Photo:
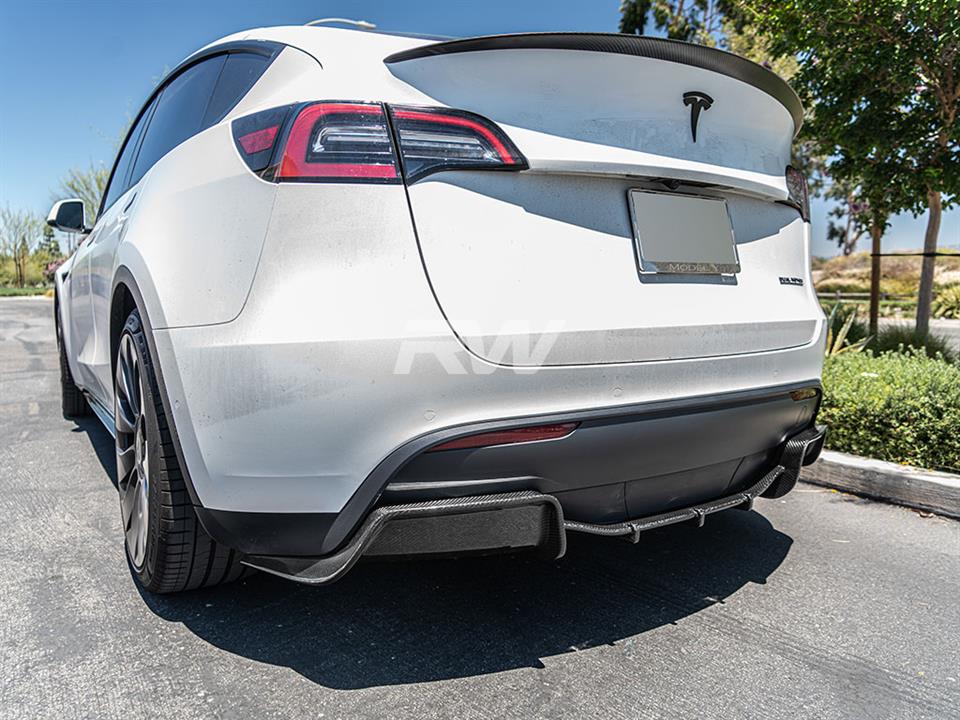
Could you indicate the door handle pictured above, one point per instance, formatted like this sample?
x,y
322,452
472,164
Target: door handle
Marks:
x,y
125,215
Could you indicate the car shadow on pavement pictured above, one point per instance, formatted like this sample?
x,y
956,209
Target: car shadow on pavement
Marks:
x,y
417,621
101,442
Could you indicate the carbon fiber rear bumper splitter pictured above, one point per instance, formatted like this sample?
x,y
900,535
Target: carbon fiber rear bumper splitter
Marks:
x,y
525,520
800,450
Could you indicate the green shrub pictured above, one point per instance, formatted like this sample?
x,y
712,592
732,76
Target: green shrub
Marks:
x,y
903,407
895,338
890,338
947,304
839,314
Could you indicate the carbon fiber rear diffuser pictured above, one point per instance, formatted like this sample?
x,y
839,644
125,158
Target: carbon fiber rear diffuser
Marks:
x,y
802,449
525,520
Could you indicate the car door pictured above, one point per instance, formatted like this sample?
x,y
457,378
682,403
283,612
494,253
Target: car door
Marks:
x,y
87,273
81,282
80,326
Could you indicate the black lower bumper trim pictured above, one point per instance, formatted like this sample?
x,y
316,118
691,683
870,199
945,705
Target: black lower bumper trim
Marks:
x,y
525,520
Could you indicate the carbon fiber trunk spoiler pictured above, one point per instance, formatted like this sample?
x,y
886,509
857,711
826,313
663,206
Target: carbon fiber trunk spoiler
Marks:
x,y
701,56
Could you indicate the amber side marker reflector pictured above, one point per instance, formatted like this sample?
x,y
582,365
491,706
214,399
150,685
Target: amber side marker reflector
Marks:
x,y
509,437
805,394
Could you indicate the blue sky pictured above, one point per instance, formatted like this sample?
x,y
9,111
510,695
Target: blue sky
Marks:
x,y
76,70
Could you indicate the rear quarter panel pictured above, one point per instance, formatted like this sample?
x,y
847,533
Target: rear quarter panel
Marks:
x,y
199,224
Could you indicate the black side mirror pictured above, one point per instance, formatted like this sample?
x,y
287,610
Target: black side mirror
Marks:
x,y
68,216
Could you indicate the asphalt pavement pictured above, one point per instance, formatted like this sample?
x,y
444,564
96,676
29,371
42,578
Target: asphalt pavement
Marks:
x,y
820,605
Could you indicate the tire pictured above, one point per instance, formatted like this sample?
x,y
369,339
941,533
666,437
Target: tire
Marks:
x,y
72,402
167,549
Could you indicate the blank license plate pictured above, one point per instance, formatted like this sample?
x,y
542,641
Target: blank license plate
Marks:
x,y
683,234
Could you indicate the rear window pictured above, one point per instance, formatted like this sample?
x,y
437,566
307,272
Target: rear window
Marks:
x,y
180,111
239,74
118,182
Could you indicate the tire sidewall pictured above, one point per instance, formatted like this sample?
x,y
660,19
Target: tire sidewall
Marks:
x,y
134,328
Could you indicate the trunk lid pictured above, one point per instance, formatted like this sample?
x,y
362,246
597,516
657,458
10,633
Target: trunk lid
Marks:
x,y
542,267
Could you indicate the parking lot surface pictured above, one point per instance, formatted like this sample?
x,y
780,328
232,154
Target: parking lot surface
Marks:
x,y
819,605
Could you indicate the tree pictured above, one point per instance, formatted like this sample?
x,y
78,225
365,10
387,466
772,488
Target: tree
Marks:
x,y
19,232
746,40
847,220
48,247
87,185
697,21
883,82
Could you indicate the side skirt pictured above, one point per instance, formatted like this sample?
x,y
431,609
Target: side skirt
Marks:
x,y
103,415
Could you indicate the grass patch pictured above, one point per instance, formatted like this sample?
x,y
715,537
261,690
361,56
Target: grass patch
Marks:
x,y
22,292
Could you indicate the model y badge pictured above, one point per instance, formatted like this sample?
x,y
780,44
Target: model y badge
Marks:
x,y
697,101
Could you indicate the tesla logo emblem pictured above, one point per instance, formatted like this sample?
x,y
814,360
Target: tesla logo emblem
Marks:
x,y
697,101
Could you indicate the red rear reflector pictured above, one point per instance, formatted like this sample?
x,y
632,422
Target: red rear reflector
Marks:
x,y
258,140
509,437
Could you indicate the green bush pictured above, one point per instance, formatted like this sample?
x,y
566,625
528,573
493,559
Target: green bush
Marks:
x,y
894,338
838,314
947,304
891,338
903,407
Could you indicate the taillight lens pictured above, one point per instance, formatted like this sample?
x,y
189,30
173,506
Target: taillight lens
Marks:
x,y
434,139
354,142
509,437
333,141
797,192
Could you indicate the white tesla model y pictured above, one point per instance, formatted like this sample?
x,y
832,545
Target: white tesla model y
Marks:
x,y
354,294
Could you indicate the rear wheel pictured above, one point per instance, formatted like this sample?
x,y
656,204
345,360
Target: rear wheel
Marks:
x,y
166,546
72,402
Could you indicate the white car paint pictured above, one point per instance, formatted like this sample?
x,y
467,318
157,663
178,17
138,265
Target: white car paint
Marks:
x,y
279,312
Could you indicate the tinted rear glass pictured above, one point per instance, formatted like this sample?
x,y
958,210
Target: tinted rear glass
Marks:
x,y
118,185
179,113
239,74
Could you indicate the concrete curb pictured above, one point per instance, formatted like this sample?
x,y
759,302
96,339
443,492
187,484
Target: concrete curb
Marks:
x,y
922,489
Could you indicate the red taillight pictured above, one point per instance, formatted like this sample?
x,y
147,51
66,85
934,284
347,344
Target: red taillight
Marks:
x,y
354,142
797,192
434,139
331,141
508,437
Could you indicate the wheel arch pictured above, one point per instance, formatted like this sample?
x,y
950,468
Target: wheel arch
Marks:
x,y
127,296
61,327
121,305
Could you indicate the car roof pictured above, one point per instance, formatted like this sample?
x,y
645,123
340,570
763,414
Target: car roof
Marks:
x,y
330,45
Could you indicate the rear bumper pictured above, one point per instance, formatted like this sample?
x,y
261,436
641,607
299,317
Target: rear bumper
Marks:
x,y
636,461
524,520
